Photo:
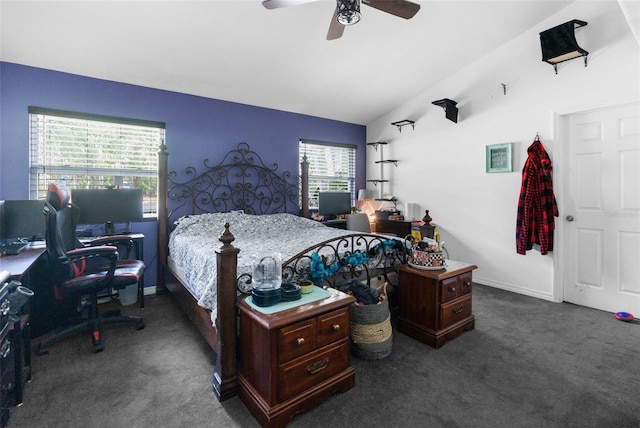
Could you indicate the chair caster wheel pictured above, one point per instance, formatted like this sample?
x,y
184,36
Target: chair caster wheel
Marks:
x,y
98,348
140,325
42,350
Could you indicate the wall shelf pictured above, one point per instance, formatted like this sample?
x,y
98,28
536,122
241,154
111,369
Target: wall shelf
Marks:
x,y
404,122
393,161
376,144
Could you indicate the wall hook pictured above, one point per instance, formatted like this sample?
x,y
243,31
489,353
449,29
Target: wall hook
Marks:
x,y
504,88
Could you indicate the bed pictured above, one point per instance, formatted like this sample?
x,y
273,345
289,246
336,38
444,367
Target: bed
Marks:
x,y
219,218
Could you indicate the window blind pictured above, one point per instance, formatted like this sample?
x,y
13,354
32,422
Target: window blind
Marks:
x,y
332,168
81,151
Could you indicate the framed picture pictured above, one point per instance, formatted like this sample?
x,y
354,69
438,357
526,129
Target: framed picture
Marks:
x,y
499,157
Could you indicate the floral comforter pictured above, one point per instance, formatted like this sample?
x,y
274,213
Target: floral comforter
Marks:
x,y
193,243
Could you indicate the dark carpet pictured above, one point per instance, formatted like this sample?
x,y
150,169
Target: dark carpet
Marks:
x,y
528,363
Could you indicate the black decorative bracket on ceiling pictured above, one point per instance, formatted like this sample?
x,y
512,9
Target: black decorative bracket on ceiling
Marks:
x,y
450,109
405,122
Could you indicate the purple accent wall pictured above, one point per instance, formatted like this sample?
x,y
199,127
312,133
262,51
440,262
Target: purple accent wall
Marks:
x,y
196,127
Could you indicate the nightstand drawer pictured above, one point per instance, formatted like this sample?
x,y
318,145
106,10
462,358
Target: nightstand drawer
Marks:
x,y
296,339
332,327
452,288
454,311
449,289
303,373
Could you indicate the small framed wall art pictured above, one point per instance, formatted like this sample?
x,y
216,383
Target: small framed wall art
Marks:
x,y
498,157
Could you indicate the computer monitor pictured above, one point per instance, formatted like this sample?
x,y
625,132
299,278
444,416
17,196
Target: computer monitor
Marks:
x,y
22,220
108,206
332,204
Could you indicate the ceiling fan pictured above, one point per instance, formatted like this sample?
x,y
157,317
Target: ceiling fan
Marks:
x,y
347,12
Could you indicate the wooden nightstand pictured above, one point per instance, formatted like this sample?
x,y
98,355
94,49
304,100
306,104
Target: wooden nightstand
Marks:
x,y
435,305
292,360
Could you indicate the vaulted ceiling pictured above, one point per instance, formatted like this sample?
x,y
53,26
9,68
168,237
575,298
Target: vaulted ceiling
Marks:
x,y
240,51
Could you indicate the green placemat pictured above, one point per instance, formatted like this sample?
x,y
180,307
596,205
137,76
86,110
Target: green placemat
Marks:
x,y
317,294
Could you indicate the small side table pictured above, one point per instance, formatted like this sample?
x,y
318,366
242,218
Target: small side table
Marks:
x,y
435,305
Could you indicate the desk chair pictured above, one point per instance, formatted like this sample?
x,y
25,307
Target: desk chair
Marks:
x,y
79,272
358,222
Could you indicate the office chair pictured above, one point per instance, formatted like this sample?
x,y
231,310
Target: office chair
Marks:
x,y
81,273
358,222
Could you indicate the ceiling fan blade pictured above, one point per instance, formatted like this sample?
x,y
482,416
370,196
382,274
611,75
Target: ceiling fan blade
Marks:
x,y
276,4
401,8
335,28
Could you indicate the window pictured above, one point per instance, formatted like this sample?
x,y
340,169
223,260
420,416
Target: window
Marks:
x,y
332,168
82,151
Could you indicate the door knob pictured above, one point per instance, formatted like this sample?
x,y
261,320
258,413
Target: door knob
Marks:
x,y
569,218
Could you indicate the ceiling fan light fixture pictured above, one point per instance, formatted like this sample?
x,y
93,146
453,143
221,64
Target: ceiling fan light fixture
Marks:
x,y
348,12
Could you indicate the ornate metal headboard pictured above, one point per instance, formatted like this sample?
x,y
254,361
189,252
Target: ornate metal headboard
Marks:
x,y
241,181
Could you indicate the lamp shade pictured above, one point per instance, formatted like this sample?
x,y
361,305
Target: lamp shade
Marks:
x,y
559,43
450,109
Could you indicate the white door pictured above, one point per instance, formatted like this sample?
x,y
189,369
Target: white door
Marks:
x,y
602,213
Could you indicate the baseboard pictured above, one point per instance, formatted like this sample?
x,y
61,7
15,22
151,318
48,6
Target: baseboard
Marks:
x,y
149,290
514,288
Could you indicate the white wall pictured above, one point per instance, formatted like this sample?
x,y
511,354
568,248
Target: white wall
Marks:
x,y
442,164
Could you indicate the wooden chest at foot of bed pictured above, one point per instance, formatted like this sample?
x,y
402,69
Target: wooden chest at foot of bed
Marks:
x,y
292,360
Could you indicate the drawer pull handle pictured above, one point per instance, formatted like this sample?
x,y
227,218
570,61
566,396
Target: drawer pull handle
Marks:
x,y
5,349
336,327
300,341
452,289
318,366
5,306
458,309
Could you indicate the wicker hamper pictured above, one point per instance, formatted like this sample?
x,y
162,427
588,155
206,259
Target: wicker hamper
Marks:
x,y
371,335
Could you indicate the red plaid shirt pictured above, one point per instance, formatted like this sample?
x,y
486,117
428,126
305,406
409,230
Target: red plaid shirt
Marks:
x,y
537,204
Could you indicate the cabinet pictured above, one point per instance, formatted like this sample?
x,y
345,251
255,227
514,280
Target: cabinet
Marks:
x,y
294,359
435,305
15,355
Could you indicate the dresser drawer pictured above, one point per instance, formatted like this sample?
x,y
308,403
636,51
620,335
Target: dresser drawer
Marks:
x,y
296,339
332,327
303,373
454,311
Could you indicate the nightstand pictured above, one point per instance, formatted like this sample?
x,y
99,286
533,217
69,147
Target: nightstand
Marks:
x,y
435,305
292,360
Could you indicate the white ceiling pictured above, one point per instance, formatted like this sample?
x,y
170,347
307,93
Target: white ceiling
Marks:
x,y
239,51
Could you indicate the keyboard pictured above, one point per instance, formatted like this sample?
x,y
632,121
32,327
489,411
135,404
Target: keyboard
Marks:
x,y
13,248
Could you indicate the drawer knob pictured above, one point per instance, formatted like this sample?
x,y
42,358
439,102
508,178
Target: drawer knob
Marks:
x,y
6,348
301,341
452,289
317,366
336,327
458,309
4,307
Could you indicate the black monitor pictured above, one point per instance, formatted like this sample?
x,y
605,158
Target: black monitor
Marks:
x,y
108,206
22,220
331,204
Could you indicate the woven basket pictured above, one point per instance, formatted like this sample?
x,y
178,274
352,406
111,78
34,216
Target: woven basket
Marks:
x,y
371,334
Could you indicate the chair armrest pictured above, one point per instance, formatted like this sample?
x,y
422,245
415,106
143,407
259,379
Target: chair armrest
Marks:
x,y
77,259
98,251
114,240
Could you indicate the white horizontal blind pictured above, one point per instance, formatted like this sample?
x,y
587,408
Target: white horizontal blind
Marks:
x,y
332,168
80,151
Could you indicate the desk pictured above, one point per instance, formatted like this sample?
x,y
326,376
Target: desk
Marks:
x,y
401,228
336,224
